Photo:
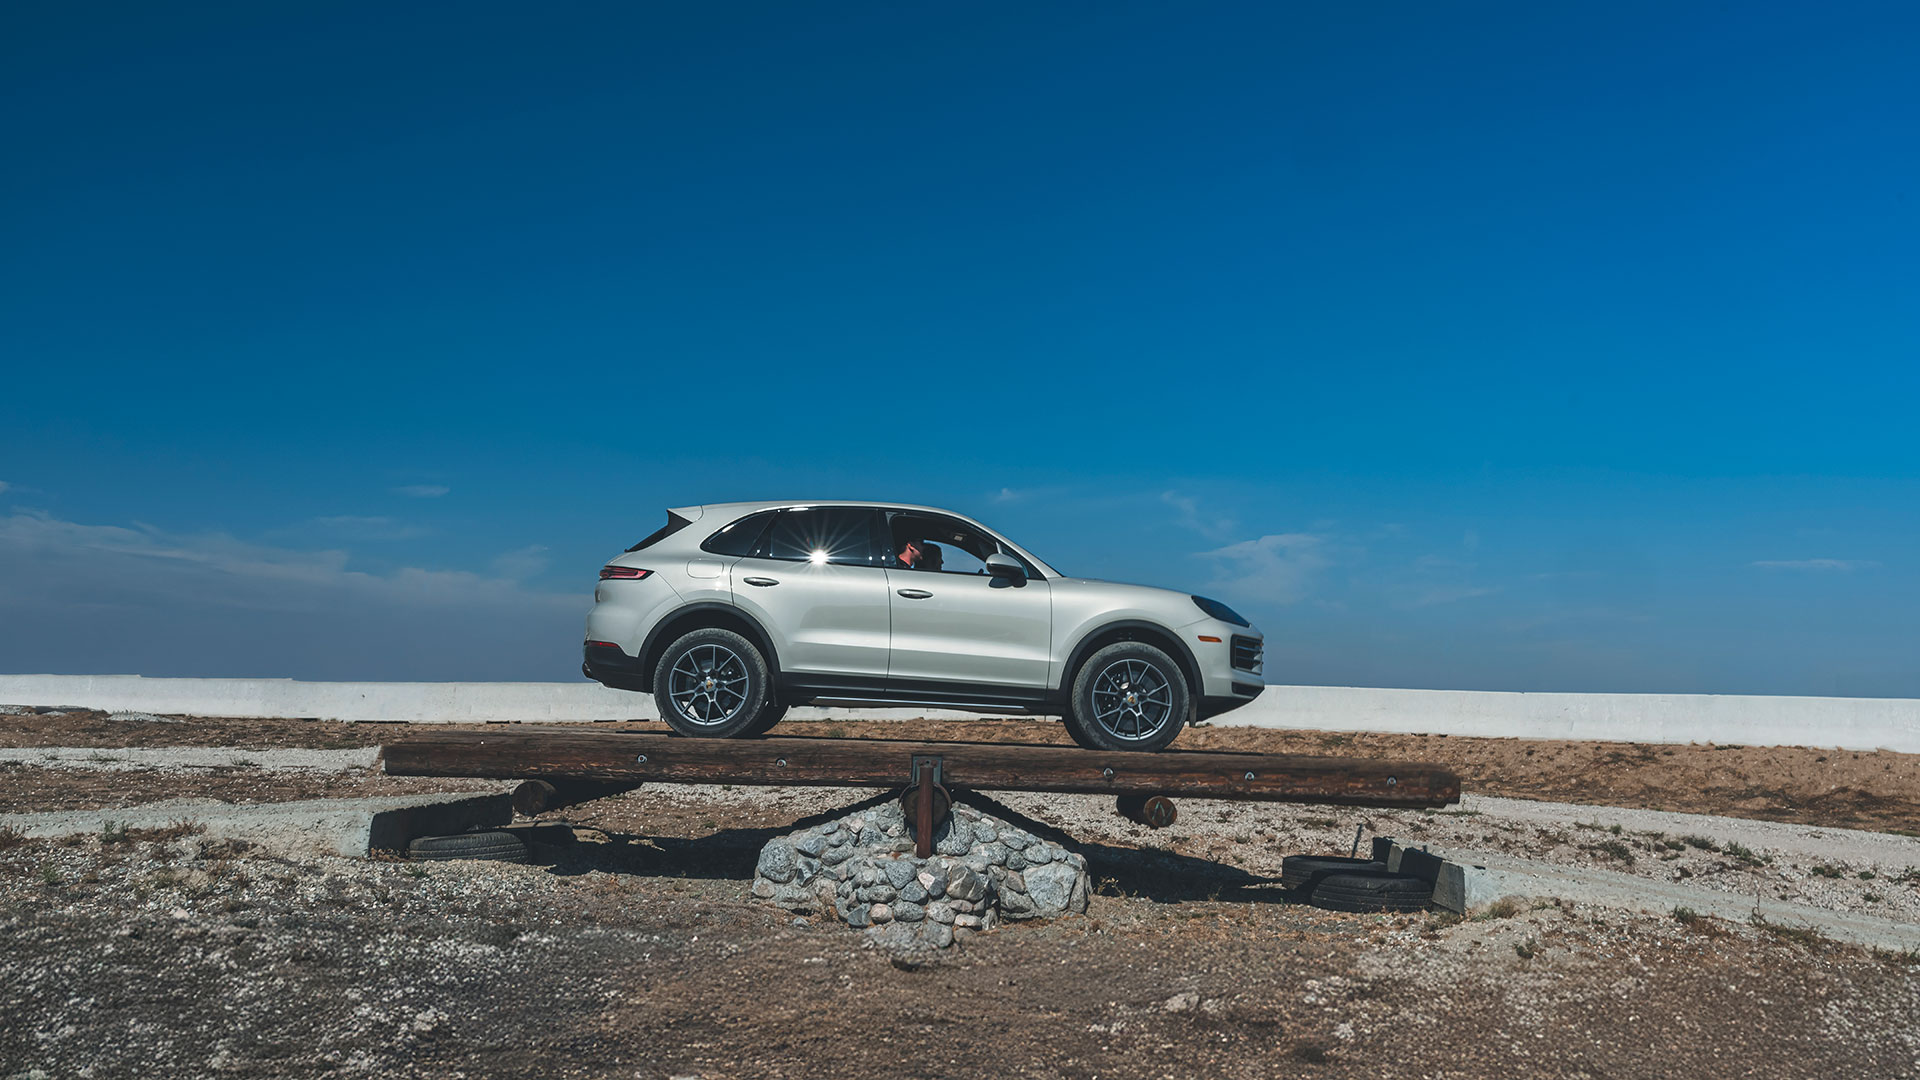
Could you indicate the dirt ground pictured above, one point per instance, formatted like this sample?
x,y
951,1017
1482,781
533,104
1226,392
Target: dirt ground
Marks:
x,y
636,952
1844,788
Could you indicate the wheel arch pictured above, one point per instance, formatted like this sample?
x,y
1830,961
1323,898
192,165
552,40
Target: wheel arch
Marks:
x,y
704,615
1140,630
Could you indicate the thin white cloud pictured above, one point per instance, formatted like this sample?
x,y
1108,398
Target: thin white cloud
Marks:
x,y
1817,565
4,486
369,528
422,491
1275,568
1216,526
529,561
1449,594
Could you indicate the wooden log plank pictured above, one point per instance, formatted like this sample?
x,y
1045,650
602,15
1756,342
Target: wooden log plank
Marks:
x,y
546,753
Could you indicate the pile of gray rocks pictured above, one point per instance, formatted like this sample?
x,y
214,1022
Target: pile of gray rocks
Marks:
x,y
861,868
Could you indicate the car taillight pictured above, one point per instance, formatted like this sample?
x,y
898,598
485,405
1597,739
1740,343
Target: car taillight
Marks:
x,y
629,573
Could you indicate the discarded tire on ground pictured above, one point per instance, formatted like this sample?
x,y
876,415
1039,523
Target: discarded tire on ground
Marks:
x,y
1304,871
492,844
1371,890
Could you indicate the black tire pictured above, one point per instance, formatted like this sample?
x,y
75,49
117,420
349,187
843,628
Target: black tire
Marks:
x,y
493,845
1305,871
720,677
770,714
1073,732
1163,706
1371,890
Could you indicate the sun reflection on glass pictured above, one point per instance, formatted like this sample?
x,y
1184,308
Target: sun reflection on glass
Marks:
x,y
818,558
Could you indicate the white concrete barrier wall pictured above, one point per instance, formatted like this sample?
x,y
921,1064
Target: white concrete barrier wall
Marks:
x,y
1848,723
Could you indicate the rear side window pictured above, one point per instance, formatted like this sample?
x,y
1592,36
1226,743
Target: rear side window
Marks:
x,y
741,537
830,534
674,524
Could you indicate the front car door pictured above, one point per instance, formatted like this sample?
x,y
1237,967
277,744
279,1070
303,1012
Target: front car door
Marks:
x,y
816,582
960,634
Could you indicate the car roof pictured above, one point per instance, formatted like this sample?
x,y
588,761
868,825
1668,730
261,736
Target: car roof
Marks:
x,y
694,513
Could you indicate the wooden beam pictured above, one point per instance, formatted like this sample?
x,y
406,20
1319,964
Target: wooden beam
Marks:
x,y
555,754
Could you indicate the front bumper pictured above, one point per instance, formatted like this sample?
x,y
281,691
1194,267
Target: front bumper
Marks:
x,y
1232,668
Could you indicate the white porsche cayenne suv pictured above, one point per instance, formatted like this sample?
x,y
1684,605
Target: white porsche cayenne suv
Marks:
x,y
731,613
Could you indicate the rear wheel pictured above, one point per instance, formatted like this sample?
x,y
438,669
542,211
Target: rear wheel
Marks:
x,y
1128,696
711,684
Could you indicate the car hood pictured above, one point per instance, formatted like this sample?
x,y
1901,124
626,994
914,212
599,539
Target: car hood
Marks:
x,y
1117,588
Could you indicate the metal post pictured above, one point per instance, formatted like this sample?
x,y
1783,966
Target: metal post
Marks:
x,y
924,823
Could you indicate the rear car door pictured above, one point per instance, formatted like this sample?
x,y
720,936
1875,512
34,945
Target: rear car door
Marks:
x,y
815,581
960,633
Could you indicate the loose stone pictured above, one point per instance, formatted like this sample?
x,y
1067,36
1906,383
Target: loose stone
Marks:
x,y
778,861
1051,888
899,872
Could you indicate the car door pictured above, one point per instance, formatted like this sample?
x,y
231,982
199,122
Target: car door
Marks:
x,y
816,583
960,633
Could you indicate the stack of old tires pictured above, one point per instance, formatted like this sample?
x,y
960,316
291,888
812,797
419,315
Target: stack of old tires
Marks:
x,y
1340,883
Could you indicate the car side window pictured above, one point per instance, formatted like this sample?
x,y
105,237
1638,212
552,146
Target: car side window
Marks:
x,y
842,535
742,537
935,543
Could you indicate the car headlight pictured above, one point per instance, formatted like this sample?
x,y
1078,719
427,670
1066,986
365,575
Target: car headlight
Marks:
x,y
1218,610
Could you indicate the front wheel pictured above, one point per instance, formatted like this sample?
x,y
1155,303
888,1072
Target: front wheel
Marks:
x,y
711,684
770,714
1128,696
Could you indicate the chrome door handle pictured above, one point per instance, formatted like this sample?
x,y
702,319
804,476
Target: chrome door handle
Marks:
x,y
761,581
915,594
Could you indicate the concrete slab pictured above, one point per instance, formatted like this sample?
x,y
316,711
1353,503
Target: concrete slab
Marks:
x,y
354,827
111,758
1800,841
1465,881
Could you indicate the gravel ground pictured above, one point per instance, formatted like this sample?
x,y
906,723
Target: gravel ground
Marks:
x,y
635,954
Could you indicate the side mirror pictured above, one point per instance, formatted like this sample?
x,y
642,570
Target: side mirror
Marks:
x,y
1005,566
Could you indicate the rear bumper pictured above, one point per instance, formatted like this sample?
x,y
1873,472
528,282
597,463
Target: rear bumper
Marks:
x,y
609,665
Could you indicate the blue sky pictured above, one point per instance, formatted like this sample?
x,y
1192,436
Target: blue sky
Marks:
x,y
1482,346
